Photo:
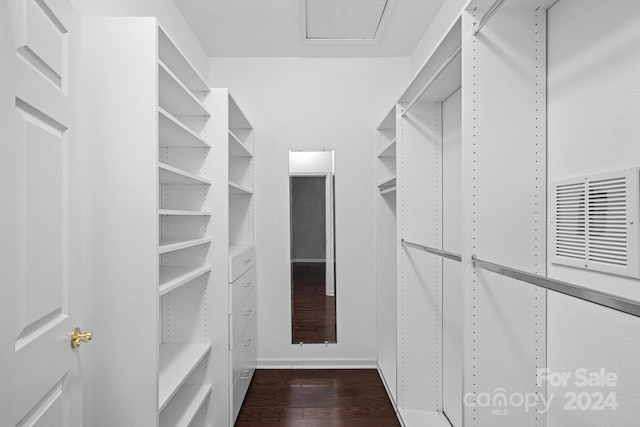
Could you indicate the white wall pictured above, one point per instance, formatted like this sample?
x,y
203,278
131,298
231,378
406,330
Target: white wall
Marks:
x,y
314,103
166,12
593,127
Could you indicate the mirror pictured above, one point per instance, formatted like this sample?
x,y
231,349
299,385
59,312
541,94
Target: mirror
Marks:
x,y
313,271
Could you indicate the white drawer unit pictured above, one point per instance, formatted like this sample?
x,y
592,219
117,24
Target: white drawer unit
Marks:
x,y
241,259
242,325
243,378
240,319
241,288
241,352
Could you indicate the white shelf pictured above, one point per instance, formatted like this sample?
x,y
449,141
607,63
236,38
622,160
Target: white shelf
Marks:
x,y
177,361
169,53
389,121
185,405
174,133
387,183
184,213
483,5
388,190
170,245
415,417
237,189
237,119
389,150
236,147
175,97
173,175
173,277
236,249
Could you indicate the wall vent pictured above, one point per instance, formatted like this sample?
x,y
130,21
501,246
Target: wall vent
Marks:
x,y
595,222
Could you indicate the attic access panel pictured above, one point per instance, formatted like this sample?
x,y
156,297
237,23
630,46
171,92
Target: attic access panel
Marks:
x,y
342,20
595,222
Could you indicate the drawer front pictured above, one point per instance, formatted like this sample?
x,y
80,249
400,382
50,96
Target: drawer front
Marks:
x,y
241,318
241,288
239,390
245,346
241,262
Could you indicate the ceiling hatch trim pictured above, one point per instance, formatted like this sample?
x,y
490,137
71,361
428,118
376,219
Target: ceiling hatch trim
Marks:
x,y
343,22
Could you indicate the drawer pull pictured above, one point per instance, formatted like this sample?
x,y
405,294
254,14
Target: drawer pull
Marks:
x,y
247,261
247,376
248,312
247,342
246,284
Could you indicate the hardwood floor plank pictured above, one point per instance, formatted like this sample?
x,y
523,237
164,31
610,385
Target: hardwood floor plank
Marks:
x,y
313,312
314,398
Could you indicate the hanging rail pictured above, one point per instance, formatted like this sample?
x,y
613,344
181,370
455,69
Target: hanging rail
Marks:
x,y
477,26
442,253
597,297
432,80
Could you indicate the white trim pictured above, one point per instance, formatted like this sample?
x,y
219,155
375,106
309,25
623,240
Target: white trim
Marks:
x,y
383,24
317,363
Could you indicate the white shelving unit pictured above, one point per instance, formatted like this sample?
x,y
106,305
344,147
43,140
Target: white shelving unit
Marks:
x,y
154,156
386,252
470,179
177,362
234,255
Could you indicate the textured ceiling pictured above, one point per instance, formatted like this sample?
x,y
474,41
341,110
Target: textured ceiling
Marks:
x,y
271,28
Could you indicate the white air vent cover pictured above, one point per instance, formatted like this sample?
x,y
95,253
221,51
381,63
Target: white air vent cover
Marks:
x,y
595,222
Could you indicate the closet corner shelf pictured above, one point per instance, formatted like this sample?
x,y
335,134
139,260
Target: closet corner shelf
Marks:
x,y
237,189
171,55
170,245
175,97
183,213
173,175
185,405
236,147
177,362
175,134
171,278
389,150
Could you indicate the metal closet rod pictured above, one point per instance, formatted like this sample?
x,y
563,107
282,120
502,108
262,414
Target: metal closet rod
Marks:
x,y
604,299
434,251
487,16
432,80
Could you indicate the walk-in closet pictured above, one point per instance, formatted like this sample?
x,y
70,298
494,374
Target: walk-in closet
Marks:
x,y
421,213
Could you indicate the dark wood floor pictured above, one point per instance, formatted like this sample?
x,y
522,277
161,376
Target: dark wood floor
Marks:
x,y
317,398
313,312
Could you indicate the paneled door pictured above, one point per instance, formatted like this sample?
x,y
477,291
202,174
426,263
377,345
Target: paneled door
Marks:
x,y
40,215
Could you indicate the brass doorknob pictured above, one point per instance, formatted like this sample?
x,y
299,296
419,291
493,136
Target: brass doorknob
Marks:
x,y
78,337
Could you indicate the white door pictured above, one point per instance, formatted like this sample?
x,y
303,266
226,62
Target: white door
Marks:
x,y
40,274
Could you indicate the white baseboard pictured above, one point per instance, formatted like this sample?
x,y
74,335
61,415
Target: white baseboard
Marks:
x,y
317,364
